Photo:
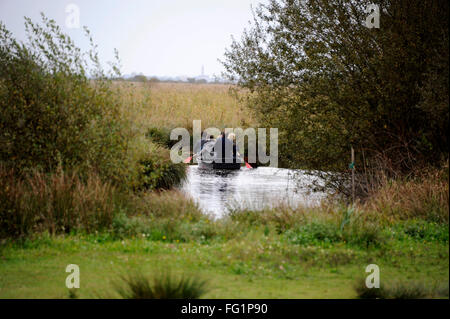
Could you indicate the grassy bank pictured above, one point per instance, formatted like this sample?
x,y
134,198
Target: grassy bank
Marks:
x,y
254,264
317,252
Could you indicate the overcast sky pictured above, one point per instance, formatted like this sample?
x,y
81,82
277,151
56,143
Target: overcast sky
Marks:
x,y
155,37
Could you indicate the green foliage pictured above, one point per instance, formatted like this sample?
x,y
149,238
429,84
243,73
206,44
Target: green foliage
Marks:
x,y
160,136
51,112
328,82
164,285
401,290
159,172
422,230
314,233
319,226
169,217
325,233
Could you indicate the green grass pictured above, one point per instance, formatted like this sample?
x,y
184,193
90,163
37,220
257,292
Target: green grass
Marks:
x,y
250,266
162,284
410,289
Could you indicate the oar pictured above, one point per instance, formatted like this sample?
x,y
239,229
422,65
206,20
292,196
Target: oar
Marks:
x,y
188,160
246,164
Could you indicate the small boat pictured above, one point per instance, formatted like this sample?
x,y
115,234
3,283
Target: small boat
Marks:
x,y
214,165
207,159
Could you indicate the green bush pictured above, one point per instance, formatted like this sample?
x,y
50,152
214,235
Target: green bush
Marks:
x,y
387,96
56,107
157,171
160,136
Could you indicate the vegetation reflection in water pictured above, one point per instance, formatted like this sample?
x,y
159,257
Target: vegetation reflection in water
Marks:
x,y
218,191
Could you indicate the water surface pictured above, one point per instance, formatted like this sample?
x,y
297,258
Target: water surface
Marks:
x,y
218,191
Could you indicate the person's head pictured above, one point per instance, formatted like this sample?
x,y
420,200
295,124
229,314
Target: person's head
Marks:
x,y
207,136
232,137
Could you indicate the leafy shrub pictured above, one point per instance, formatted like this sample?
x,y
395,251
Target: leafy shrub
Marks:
x,y
157,171
293,61
160,136
124,226
51,112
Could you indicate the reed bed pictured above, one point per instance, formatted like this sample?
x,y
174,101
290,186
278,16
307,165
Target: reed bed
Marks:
x,y
425,197
170,105
59,202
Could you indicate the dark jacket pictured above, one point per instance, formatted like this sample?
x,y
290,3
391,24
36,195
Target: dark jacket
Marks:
x,y
225,148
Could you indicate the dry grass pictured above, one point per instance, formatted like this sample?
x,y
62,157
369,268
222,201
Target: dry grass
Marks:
x,y
426,197
57,203
167,204
170,105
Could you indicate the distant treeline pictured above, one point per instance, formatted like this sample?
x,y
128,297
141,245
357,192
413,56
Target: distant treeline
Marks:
x,y
154,79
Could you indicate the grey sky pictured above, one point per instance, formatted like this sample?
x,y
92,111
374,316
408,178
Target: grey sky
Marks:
x,y
172,37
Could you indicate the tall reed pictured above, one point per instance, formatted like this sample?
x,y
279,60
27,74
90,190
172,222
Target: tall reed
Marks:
x,y
425,197
57,202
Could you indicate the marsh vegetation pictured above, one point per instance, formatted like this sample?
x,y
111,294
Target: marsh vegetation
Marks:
x,y
86,177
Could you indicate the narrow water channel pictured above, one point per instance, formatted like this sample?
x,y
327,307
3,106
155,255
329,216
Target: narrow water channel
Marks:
x,y
216,192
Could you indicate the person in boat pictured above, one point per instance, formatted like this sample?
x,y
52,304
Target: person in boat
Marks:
x,y
232,138
203,140
225,147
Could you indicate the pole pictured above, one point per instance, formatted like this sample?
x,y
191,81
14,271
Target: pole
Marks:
x,y
353,174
